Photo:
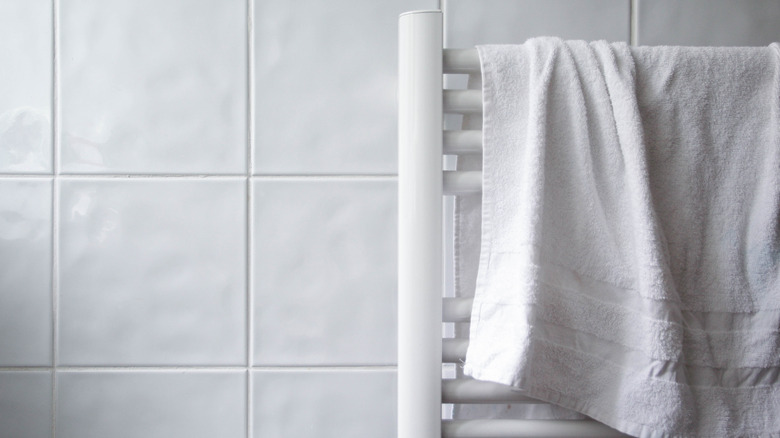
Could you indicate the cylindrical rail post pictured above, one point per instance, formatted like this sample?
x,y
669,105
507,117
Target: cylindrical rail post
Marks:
x,y
419,224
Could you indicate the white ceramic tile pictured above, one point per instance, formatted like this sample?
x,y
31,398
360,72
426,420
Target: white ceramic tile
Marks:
x,y
471,22
325,79
708,22
25,272
152,271
324,279
26,86
151,404
25,404
154,86
325,404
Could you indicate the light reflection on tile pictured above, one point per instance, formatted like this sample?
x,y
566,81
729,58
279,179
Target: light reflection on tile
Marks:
x,y
154,86
25,88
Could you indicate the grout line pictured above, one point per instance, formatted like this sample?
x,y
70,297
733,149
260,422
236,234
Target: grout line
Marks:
x,y
150,176
200,368
24,368
55,89
325,368
55,292
633,22
40,176
151,369
250,116
249,306
249,404
55,286
97,176
250,146
55,203
304,177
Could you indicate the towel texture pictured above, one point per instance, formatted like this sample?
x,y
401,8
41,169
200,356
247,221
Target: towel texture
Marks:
x,y
468,222
630,234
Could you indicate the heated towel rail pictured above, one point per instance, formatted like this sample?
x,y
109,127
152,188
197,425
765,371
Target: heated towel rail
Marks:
x,y
421,307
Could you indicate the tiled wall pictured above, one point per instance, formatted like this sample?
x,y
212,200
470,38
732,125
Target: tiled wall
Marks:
x,y
197,203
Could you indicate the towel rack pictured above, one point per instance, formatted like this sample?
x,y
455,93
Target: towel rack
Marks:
x,y
421,307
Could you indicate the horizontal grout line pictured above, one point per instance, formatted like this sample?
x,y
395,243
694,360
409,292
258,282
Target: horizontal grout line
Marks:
x,y
302,368
25,368
146,369
27,176
389,176
152,177
180,369
290,177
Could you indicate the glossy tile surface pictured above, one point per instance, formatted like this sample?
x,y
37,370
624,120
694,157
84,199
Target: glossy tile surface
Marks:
x,y
25,272
471,22
325,85
325,404
25,404
151,404
26,86
324,279
709,22
154,86
152,272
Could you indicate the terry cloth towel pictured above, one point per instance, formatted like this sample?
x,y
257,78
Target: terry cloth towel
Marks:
x,y
630,241
468,222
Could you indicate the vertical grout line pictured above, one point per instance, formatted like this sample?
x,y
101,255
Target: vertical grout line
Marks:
x,y
55,194
56,117
250,56
633,22
55,295
249,304
249,208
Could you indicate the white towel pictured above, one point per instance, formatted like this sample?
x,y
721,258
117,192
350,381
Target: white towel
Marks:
x,y
630,255
468,223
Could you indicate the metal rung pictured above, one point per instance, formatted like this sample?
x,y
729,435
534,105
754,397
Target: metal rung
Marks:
x,y
462,142
453,350
462,101
461,61
456,309
526,428
477,391
461,182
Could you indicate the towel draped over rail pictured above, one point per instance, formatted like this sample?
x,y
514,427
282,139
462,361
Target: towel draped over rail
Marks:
x,y
629,233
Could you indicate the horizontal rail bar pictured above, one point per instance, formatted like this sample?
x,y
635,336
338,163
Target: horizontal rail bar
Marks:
x,y
453,350
478,391
462,142
526,428
457,309
458,182
461,61
462,101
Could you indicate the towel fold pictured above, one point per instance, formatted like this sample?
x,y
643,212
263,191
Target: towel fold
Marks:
x,y
630,234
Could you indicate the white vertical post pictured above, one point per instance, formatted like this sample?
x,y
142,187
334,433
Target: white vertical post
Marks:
x,y
419,224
